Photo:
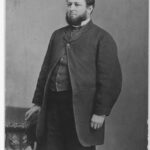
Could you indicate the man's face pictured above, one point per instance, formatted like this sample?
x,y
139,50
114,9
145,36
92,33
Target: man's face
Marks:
x,y
76,11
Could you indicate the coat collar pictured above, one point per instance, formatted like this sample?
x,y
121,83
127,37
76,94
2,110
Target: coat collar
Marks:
x,y
68,29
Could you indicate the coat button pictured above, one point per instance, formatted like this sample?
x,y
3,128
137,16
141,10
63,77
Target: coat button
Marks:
x,y
68,45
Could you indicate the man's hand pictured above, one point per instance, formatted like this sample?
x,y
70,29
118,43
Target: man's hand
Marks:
x,y
34,109
97,121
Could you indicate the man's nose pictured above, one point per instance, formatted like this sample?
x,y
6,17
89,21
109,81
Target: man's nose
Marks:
x,y
72,7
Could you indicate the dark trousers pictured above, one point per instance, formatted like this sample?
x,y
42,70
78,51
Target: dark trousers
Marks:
x,y
61,133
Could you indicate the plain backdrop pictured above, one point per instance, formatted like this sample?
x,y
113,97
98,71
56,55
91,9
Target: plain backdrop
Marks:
x,y
29,25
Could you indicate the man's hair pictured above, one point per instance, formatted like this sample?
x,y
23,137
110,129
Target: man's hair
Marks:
x,y
90,2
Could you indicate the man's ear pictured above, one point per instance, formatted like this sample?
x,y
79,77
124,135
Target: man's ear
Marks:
x,y
90,9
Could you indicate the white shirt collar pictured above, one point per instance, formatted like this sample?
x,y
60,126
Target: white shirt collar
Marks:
x,y
84,22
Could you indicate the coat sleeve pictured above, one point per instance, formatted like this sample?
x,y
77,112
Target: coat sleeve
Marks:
x,y
108,76
39,91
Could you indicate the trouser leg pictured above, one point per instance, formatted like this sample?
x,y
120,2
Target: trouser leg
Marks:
x,y
55,139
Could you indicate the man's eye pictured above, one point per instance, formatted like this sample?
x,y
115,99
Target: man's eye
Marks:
x,y
77,4
69,4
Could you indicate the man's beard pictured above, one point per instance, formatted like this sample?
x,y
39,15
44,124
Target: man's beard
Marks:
x,y
75,21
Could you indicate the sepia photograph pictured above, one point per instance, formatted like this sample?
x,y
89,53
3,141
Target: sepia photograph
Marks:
x,y
76,75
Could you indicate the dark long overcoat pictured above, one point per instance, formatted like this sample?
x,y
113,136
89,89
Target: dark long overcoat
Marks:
x,y
95,78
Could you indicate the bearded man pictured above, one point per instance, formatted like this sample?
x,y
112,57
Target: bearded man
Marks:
x,y
79,82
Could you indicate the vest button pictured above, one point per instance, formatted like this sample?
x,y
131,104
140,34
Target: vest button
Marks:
x,y
62,58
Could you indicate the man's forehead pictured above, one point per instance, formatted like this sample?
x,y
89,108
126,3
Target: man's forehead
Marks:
x,y
76,1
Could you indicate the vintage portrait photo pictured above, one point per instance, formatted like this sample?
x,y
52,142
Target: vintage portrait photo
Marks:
x,y
76,75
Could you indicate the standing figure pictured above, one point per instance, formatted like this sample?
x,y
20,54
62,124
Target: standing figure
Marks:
x,y
79,82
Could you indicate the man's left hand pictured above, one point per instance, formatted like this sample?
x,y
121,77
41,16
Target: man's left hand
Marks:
x,y
97,121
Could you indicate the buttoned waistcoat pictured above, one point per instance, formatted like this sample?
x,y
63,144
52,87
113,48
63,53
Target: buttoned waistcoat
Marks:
x,y
95,76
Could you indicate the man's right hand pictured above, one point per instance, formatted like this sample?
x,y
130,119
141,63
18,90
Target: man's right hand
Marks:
x,y
34,109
